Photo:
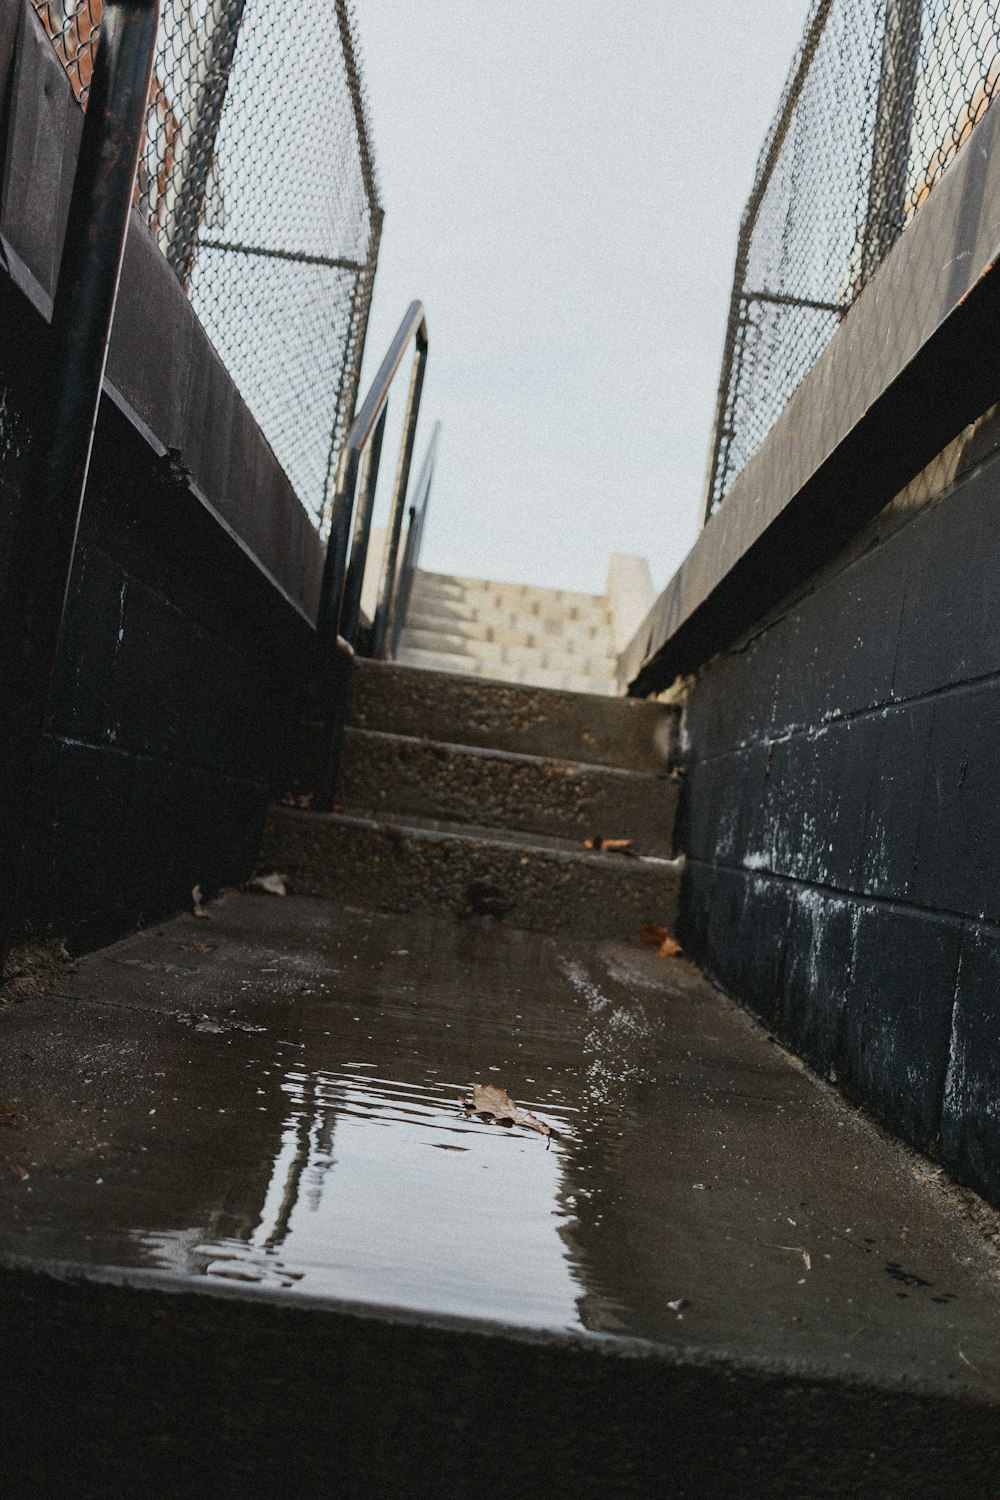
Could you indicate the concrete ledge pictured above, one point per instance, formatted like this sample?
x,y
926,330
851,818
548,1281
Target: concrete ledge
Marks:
x,y
915,361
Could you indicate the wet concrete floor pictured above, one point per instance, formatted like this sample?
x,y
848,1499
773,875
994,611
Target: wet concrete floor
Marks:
x,y
272,1099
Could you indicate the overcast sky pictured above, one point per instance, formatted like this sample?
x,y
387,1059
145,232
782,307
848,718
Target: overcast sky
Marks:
x,y
563,182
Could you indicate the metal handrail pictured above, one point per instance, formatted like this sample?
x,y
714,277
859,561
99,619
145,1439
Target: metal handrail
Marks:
x,y
414,536
340,595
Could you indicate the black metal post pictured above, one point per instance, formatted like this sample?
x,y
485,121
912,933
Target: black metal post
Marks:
x,y
350,614
340,596
400,605
886,214
380,624
44,540
216,46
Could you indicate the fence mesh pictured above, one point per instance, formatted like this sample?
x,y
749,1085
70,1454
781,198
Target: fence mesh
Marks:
x,y
880,98
256,179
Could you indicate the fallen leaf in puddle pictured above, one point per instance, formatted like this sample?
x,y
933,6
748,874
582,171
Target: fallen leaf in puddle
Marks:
x,y
982,1372
197,909
792,1250
273,884
669,948
608,846
495,1103
202,1022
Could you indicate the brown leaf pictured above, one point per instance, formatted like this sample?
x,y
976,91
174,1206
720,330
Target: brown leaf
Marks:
x,y
21,1173
197,947
669,948
297,799
197,909
273,884
608,846
489,1099
653,933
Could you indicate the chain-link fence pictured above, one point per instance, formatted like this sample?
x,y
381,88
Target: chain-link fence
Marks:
x,y
257,181
879,99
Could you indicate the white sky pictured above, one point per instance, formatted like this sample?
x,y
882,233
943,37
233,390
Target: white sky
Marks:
x,y
563,184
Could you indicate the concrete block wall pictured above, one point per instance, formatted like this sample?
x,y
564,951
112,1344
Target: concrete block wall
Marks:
x,y
841,815
177,684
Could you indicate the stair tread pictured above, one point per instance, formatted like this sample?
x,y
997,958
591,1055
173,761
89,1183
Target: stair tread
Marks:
x,y
707,1202
624,774
605,729
549,845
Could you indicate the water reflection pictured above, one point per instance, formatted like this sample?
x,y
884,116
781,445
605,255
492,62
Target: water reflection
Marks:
x,y
384,1191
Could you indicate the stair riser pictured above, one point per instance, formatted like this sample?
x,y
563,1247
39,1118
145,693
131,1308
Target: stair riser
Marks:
x,y
492,611
406,870
512,595
564,654
554,679
114,1394
386,774
529,721
525,633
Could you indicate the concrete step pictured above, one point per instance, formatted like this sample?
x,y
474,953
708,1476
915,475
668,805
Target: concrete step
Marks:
x,y
586,657
419,864
401,775
510,672
626,732
467,609
439,661
541,633
251,1244
493,607
557,678
514,595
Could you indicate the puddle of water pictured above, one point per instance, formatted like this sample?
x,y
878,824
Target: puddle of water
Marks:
x,y
384,1191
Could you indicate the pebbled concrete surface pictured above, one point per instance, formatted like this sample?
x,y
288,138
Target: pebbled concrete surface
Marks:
x,y
529,721
532,881
458,783
718,1281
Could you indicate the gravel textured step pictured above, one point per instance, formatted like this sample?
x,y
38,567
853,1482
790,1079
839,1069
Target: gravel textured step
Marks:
x,y
401,775
251,1244
532,881
626,732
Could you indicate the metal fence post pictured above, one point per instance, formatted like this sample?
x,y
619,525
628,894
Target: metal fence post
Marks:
x,y
44,540
898,74
187,188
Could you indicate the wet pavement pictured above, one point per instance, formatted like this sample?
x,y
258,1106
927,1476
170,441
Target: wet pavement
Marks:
x,y
270,1101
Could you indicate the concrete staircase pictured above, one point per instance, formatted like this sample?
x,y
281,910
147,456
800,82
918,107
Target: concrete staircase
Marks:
x,y
510,632
256,1237
492,814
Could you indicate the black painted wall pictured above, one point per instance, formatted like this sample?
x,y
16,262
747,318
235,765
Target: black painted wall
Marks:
x,y
178,685
841,814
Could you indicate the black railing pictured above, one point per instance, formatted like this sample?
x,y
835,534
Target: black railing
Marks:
x,y
414,538
881,96
343,580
